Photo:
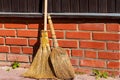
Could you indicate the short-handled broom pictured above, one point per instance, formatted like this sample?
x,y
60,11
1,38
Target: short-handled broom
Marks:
x,y
60,61
40,67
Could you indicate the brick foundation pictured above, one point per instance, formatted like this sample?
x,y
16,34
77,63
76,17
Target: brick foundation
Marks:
x,y
89,45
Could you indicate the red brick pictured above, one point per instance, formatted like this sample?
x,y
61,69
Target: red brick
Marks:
x,y
17,26
3,57
106,36
2,40
15,49
15,57
5,63
31,58
90,54
92,63
82,70
77,53
92,45
78,35
32,42
114,72
68,43
113,65
7,33
109,55
113,46
59,34
16,41
113,27
68,52
4,49
33,26
65,26
74,62
27,50
0,25
27,33
91,27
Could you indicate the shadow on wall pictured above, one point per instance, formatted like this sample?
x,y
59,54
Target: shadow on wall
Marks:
x,y
37,44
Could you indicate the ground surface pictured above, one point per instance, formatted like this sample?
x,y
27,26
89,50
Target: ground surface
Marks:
x,y
7,73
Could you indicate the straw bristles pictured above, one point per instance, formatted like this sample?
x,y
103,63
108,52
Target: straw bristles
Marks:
x,y
40,67
61,64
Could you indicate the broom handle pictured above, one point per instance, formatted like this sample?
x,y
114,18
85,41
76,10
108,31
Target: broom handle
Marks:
x,y
55,42
45,15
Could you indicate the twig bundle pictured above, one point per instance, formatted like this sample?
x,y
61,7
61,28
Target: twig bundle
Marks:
x,y
40,67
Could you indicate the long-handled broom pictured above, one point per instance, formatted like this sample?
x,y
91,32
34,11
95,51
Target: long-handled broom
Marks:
x,y
40,67
59,58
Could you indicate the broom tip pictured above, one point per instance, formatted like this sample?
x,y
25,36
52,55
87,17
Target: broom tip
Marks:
x,y
49,17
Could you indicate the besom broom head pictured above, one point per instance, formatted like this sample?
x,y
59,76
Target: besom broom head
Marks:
x,y
60,61
61,64
40,67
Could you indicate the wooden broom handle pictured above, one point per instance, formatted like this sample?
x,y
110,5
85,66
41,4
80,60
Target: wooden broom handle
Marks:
x,y
45,14
55,42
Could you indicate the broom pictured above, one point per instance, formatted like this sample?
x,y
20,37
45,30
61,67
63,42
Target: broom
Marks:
x,y
59,58
40,67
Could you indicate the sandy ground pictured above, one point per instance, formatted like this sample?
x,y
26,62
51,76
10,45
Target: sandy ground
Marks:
x,y
6,73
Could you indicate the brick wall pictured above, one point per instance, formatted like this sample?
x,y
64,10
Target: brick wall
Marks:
x,y
89,45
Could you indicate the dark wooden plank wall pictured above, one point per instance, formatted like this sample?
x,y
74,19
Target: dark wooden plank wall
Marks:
x,y
118,6
61,6
102,6
73,4
20,5
55,5
15,5
4,7
84,6
50,5
111,6
93,5
32,5
65,5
